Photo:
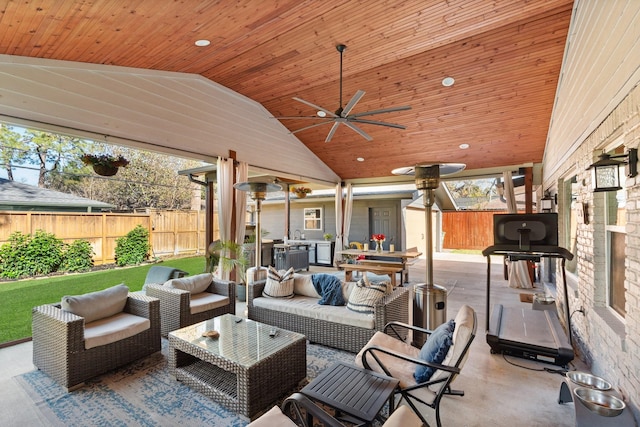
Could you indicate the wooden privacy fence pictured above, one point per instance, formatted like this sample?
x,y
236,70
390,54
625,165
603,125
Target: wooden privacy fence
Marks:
x,y
171,232
468,229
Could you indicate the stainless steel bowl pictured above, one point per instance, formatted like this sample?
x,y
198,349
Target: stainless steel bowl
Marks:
x,y
587,380
600,402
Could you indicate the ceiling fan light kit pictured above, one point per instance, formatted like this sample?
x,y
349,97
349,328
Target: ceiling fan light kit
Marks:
x,y
342,115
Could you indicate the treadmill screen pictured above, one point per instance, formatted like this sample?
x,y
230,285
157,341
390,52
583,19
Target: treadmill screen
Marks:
x,y
524,230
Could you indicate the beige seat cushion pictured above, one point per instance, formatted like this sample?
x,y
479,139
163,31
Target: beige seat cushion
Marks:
x,y
114,328
274,417
403,416
402,371
205,301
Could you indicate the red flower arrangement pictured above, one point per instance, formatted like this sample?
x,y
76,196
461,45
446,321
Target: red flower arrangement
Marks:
x,y
378,238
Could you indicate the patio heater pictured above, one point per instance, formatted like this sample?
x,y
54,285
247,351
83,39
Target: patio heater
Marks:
x,y
430,300
258,192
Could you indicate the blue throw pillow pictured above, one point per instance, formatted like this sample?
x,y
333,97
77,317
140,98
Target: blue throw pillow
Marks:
x,y
435,350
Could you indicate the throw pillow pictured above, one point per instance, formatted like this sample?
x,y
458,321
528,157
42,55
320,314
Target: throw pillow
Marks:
x,y
279,283
363,298
194,284
97,305
435,350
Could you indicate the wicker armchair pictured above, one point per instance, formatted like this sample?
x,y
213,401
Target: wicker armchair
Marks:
x,y
176,304
59,343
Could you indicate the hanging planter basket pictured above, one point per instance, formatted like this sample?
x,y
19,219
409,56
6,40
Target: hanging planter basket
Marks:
x,y
104,164
301,192
105,170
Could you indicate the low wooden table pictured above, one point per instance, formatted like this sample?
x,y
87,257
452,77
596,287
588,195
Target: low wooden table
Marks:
x,y
244,368
391,271
351,390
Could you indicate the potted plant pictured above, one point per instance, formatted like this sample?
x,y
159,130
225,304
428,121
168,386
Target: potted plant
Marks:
x,y
328,236
229,255
301,192
104,164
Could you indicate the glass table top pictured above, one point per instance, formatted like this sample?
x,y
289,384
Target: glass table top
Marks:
x,y
241,341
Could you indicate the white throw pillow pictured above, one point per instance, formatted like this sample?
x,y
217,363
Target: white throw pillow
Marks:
x,y
279,283
97,305
193,284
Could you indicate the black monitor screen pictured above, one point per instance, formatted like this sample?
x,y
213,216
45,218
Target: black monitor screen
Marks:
x,y
525,230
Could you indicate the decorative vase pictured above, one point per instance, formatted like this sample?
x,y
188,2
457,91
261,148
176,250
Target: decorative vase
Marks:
x,y
301,195
105,170
378,246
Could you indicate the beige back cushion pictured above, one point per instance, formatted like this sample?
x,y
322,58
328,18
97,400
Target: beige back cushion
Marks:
x,y
97,305
464,321
193,284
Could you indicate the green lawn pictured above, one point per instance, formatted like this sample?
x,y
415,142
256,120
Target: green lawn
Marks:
x,y
18,298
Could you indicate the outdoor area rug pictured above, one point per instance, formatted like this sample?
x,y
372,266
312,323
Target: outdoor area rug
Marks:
x,y
144,394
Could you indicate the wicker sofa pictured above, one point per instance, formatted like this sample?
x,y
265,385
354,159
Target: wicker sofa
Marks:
x,y
71,354
333,326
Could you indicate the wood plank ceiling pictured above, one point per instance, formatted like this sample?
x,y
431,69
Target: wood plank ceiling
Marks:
x,y
505,57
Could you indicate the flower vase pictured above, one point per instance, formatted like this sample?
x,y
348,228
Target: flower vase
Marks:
x,y
378,246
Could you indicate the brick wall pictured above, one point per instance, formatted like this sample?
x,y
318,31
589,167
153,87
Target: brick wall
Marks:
x,y
608,343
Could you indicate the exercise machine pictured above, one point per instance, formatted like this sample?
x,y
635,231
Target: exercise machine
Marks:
x,y
528,333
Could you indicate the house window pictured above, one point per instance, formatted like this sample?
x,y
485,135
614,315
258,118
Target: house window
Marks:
x,y
570,234
615,217
313,218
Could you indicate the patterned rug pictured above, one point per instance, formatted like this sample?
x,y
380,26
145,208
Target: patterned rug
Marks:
x,y
144,394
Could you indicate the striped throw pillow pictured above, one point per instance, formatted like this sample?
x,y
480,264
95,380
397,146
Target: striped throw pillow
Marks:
x,y
364,297
279,283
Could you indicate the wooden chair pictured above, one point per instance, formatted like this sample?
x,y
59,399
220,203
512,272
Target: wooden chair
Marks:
x,y
389,354
300,408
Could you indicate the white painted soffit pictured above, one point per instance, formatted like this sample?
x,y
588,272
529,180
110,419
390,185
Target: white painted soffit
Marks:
x,y
179,113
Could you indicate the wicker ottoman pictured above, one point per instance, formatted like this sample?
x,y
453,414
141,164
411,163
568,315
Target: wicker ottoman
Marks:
x,y
245,368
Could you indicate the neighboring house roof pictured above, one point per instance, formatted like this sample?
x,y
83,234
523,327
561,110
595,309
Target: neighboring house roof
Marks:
x,y
19,196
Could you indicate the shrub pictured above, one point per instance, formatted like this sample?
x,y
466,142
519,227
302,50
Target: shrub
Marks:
x,y
133,248
77,256
10,255
26,255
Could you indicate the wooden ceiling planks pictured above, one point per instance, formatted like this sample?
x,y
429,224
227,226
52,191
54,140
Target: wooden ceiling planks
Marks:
x,y
505,56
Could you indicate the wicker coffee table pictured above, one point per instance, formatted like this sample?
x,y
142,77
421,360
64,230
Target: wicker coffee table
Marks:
x,y
245,369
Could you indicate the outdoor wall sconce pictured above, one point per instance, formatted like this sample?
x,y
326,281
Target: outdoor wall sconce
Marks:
x,y
606,173
547,202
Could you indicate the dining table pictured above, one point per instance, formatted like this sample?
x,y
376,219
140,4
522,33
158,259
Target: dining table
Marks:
x,y
373,256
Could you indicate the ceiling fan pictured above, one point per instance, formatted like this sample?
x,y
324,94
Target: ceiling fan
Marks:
x,y
341,115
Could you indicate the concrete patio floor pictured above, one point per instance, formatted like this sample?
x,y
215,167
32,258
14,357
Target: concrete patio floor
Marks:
x,y
499,390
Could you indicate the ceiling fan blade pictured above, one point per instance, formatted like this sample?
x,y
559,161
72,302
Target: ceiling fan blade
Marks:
x,y
312,126
382,111
316,107
360,131
298,117
332,131
376,122
352,103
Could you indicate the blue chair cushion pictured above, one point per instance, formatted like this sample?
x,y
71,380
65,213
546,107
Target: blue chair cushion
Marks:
x,y
435,350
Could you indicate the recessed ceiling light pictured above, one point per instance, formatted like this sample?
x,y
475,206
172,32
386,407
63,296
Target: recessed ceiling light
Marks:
x,y
360,159
448,81
463,146
321,114
202,42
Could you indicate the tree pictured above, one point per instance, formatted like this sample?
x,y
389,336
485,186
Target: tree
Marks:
x,y
12,149
149,181
51,152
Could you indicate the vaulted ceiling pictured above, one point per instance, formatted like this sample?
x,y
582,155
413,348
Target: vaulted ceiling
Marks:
x,y
505,57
